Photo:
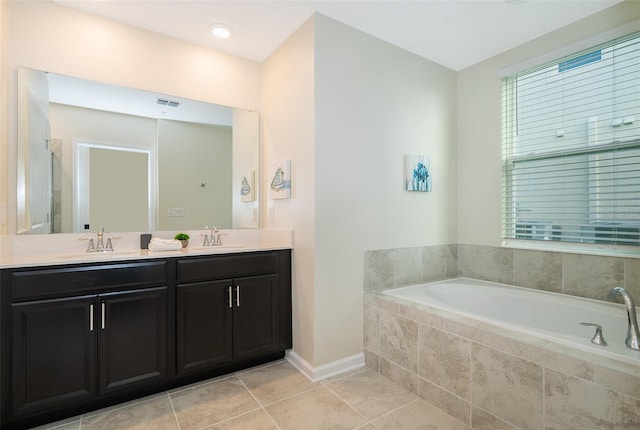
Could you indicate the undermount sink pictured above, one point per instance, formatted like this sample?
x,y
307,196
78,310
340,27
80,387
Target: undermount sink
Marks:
x,y
98,255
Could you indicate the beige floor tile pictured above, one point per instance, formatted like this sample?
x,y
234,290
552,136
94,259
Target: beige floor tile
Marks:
x,y
211,403
273,383
68,424
419,415
154,414
317,409
133,402
371,394
256,420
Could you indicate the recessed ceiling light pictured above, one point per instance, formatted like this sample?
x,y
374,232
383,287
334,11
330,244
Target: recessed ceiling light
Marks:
x,y
221,31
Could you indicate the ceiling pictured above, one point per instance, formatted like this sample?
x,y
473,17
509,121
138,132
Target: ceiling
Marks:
x,y
453,33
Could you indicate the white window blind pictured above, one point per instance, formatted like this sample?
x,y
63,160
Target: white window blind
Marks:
x,y
571,147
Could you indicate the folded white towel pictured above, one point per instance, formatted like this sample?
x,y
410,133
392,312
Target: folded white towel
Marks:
x,y
157,244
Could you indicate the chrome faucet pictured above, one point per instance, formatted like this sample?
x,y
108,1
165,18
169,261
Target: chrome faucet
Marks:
x,y
213,239
100,241
99,245
633,337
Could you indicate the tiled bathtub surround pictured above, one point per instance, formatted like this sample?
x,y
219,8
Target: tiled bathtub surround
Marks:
x,y
483,375
581,275
490,378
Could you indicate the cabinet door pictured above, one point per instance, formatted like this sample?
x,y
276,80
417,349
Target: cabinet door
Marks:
x,y
204,325
256,320
132,338
54,353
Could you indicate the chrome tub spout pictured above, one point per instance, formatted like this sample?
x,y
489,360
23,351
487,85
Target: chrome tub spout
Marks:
x,y
633,337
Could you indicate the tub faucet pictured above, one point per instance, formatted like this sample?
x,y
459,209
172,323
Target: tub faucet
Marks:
x,y
633,337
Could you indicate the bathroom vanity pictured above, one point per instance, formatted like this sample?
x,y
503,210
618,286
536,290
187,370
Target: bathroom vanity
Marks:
x,y
81,336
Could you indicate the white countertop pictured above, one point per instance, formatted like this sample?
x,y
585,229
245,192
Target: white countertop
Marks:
x,y
37,250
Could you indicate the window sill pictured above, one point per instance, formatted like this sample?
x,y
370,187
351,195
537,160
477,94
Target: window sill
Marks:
x,y
574,248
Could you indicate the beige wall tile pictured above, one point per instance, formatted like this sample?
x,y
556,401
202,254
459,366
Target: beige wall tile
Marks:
x,y
454,405
372,360
401,376
399,340
434,263
538,269
466,260
590,275
371,332
574,404
471,329
494,264
431,319
379,269
632,278
483,420
408,266
552,356
507,387
451,254
445,360
626,381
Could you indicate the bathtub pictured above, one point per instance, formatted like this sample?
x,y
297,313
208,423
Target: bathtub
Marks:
x,y
552,316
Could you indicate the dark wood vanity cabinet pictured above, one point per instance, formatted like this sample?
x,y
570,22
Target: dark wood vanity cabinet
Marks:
x,y
232,309
54,354
70,349
81,337
74,333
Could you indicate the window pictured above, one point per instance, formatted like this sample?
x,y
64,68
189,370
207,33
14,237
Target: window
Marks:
x,y
571,147
580,61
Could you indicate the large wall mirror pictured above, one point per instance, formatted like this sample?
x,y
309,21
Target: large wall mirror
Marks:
x,y
93,155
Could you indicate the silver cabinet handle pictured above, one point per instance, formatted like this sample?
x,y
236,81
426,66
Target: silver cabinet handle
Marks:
x,y
91,317
103,315
230,297
238,295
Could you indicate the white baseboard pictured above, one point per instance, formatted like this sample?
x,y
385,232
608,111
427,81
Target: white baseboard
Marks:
x,y
325,371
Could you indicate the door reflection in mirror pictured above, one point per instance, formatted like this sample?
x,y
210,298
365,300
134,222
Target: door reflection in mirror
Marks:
x,y
113,189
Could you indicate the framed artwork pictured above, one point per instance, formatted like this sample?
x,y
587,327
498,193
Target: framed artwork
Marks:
x,y
247,187
280,184
417,173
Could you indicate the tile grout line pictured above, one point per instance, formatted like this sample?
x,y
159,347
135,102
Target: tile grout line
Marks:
x,y
200,384
261,406
396,409
471,384
368,421
175,415
544,409
118,407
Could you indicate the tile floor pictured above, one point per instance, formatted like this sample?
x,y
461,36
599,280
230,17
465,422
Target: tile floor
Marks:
x,y
273,397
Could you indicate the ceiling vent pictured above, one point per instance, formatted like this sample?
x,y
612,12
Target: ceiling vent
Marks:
x,y
166,102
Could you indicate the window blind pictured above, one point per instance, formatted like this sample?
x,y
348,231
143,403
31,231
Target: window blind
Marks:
x,y
571,147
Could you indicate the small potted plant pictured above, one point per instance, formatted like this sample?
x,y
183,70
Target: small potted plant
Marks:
x,y
183,238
